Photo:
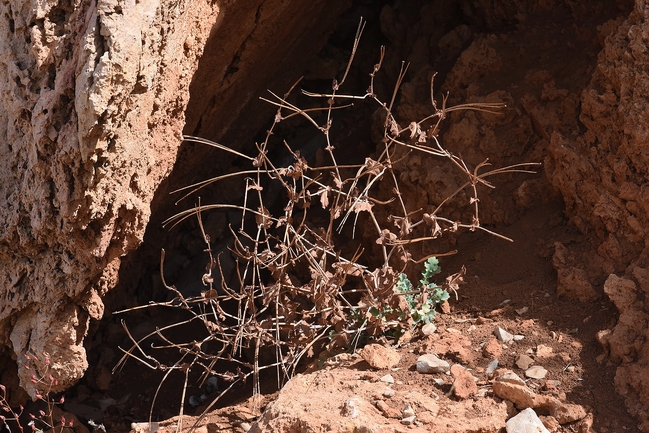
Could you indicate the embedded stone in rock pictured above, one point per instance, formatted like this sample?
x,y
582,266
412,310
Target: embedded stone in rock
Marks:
x,y
544,351
408,411
387,379
408,420
349,409
430,363
380,357
428,329
526,422
621,291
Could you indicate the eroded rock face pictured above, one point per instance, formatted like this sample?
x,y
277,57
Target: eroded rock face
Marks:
x,y
603,175
603,172
93,95
92,108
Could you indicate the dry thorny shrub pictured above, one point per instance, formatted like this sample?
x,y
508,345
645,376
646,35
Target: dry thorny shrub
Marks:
x,y
43,420
269,307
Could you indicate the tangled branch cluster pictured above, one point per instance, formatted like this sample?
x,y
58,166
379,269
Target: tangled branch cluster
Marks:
x,y
296,286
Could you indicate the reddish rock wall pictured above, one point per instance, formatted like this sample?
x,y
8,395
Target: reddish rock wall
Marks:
x,y
91,113
603,175
93,95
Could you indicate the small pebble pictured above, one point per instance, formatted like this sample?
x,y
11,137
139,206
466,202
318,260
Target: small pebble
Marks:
x,y
245,426
519,337
389,392
408,421
387,379
536,372
503,335
428,329
521,311
430,363
493,365
408,411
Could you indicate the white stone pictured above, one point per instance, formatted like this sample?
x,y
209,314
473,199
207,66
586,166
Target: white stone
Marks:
x,y
536,372
428,329
430,363
503,335
408,420
526,422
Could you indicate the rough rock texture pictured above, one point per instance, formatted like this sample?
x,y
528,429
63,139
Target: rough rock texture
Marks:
x,y
626,344
91,114
603,175
93,95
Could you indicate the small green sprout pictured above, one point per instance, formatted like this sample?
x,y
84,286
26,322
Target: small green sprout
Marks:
x,y
428,298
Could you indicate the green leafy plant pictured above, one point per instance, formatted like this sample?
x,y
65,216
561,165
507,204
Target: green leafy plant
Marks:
x,y
421,303
424,301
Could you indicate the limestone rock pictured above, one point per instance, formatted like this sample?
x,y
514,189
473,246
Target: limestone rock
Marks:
x,y
503,335
430,363
526,422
